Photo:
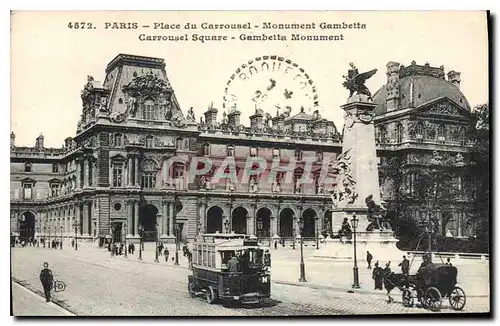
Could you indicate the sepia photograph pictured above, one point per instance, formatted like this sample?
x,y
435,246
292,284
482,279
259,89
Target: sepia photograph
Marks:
x,y
250,163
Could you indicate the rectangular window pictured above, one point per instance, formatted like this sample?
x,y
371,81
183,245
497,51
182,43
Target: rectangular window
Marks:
x,y
54,188
28,187
298,155
117,174
55,168
148,112
148,180
149,142
319,156
253,151
27,167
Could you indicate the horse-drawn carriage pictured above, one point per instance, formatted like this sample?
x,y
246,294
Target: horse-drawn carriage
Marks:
x,y
431,285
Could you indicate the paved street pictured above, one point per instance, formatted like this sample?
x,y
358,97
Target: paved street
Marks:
x,y
100,285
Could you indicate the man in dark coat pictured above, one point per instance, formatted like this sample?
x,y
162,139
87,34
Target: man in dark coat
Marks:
x,y
405,266
47,280
369,258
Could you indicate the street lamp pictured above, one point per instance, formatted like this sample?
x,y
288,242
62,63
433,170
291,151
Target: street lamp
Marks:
x,y
176,229
259,229
44,233
125,239
141,230
38,240
75,225
112,231
354,222
61,245
226,226
50,244
156,242
317,232
302,266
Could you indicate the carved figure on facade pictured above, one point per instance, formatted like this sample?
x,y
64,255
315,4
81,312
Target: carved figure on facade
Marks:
x,y
345,190
444,109
158,142
190,116
355,82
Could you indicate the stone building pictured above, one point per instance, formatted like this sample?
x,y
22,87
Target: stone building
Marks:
x,y
420,115
119,174
114,175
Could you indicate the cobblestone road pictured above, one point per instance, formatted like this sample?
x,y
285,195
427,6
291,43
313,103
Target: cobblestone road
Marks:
x,y
100,285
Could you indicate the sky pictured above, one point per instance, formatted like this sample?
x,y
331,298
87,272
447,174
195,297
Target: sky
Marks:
x,y
50,62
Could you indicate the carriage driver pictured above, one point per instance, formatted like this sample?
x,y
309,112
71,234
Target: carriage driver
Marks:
x,y
425,263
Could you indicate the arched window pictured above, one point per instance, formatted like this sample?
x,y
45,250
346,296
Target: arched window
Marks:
x,y
148,110
441,133
399,133
419,130
148,174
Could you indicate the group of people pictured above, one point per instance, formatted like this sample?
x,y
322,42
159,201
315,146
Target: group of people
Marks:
x,y
31,242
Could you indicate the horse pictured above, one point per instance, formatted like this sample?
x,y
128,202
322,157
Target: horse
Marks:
x,y
392,280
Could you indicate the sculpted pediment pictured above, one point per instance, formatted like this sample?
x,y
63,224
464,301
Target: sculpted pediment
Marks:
x,y
444,107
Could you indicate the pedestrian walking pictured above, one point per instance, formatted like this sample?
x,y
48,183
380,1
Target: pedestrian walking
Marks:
x,y
190,259
166,253
267,258
133,248
369,258
275,244
121,249
405,266
448,262
72,243
47,280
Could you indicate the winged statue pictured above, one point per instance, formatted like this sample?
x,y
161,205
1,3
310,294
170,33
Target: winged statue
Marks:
x,y
355,82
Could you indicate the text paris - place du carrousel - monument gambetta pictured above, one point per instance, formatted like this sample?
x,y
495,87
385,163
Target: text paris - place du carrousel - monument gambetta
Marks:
x,y
250,37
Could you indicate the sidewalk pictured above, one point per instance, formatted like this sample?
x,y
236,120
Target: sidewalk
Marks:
x,y
26,303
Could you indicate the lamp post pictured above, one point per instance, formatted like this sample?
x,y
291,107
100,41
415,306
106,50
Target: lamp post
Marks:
x,y
61,245
259,229
226,226
156,242
141,231
38,240
112,232
176,229
429,235
75,225
355,268
317,232
125,239
302,266
44,233
50,244
293,238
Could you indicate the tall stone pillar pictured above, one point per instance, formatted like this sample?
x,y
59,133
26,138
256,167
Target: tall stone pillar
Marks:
x,y
136,174
79,218
164,221
129,172
136,218
85,172
85,220
78,173
171,219
274,226
130,224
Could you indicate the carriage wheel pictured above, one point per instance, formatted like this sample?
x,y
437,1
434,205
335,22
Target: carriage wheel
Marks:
x,y
432,299
407,298
191,289
211,295
457,298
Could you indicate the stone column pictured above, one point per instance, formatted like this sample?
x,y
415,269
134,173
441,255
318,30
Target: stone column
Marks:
x,y
85,172
79,218
85,221
164,221
274,226
129,172
136,218
78,173
171,219
137,177
130,209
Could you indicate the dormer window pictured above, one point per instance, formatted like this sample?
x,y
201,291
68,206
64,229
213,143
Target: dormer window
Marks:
x,y
298,155
148,111
27,185
27,167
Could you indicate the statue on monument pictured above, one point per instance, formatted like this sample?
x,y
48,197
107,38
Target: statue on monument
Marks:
x,y
355,82
345,191
376,215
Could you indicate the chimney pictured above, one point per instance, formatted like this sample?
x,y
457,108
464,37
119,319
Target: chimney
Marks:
x,y
454,78
12,140
211,117
393,98
257,120
39,142
234,118
68,142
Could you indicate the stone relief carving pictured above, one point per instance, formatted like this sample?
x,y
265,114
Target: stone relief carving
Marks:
x,y
444,109
158,142
190,116
345,191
